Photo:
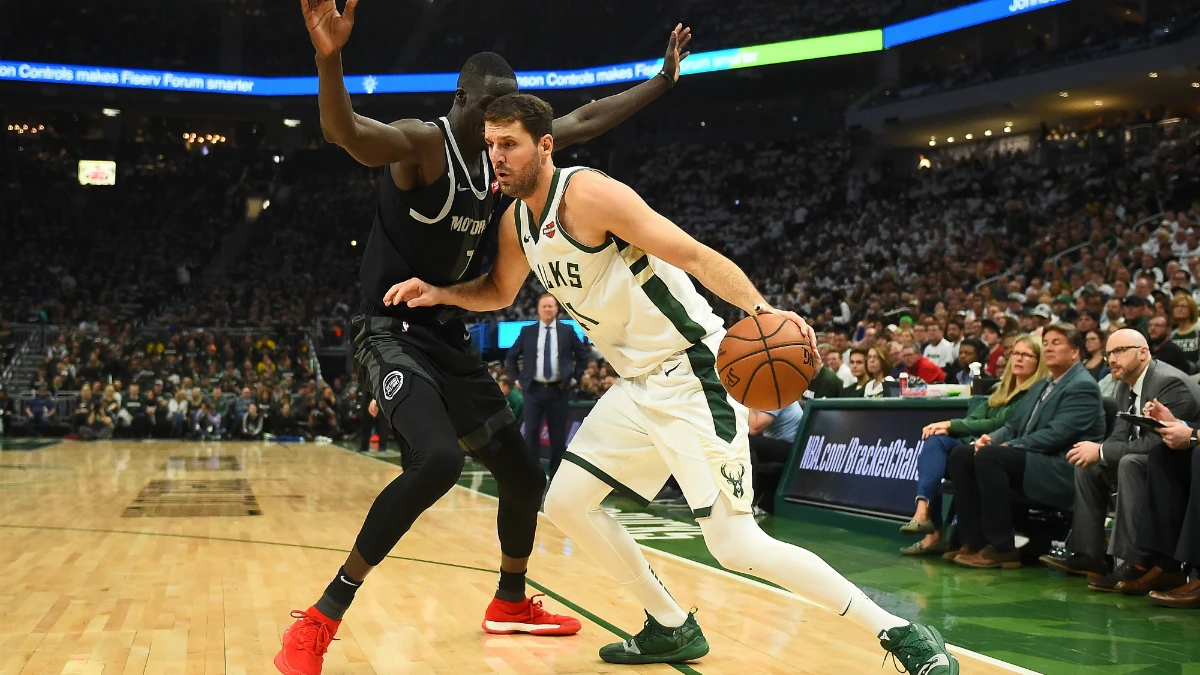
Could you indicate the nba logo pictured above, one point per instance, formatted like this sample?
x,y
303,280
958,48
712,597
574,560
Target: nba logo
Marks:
x,y
495,186
548,230
404,326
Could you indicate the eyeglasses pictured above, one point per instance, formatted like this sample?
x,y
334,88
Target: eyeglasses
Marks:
x,y
1024,355
1117,352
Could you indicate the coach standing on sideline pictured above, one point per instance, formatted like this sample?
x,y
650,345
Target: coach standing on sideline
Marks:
x,y
554,359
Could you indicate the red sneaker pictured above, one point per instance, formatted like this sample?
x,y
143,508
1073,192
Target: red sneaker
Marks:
x,y
305,643
504,618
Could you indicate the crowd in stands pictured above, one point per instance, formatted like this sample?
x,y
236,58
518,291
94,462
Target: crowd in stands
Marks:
x,y
1016,52
109,254
200,383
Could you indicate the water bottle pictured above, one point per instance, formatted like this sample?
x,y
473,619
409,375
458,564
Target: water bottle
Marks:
x,y
904,384
975,369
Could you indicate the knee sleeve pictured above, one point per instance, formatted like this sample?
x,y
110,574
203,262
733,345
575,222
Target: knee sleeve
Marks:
x,y
735,541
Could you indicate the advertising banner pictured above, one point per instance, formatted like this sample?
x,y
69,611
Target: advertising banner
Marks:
x,y
861,458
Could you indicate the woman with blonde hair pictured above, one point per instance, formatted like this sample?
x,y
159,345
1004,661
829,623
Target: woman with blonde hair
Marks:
x,y
1024,368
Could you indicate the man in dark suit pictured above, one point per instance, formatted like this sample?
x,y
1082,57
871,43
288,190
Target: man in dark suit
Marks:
x,y
554,360
1028,451
1119,463
1169,528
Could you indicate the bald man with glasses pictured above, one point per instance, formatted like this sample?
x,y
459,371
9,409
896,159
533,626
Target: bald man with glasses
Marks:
x,y
1119,463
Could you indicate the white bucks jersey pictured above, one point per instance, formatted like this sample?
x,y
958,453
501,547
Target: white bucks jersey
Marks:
x,y
638,310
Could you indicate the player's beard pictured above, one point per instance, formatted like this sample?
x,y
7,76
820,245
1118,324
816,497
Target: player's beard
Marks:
x,y
524,181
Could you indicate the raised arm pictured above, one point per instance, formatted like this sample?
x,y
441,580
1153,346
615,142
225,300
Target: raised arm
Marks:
x,y
495,290
598,203
591,120
371,142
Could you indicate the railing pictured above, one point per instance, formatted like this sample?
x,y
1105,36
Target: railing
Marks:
x,y
312,354
32,338
64,406
1067,251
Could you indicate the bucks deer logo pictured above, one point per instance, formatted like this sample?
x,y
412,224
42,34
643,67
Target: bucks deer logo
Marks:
x,y
734,476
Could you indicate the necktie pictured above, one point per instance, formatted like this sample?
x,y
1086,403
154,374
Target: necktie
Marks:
x,y
1134,430
546,355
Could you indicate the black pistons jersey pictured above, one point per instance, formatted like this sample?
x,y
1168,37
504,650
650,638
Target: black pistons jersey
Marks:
x,y
434,233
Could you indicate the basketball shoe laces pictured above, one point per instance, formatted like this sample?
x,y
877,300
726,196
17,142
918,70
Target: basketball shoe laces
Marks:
x,y
904,651
535,606
313,635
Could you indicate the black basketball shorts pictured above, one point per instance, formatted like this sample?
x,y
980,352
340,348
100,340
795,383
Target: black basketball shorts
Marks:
x,y
390,351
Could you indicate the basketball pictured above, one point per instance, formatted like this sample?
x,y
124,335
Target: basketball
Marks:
x,y
765,362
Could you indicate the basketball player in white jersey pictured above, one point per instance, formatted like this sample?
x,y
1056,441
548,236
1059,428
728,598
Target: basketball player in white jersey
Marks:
x,y
621,270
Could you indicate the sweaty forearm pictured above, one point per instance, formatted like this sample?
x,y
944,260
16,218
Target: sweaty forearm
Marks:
x,y
337,114
719,275
477,295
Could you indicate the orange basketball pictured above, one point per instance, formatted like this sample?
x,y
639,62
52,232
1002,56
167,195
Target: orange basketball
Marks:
x,y
766,362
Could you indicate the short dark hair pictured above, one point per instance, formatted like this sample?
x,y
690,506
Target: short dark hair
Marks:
x,y
981,350
861,351
1075,339
532,112
483,64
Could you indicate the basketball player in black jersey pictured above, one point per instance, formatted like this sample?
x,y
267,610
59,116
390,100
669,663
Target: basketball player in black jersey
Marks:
x,y
438,197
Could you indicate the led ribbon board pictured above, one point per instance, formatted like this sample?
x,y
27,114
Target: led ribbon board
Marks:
x,y
701,62
959,18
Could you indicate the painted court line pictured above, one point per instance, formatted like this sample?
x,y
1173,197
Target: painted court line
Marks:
x,y
779,591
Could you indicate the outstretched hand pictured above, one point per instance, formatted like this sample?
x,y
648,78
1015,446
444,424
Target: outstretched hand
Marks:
x,y
413,293
327,28
676,50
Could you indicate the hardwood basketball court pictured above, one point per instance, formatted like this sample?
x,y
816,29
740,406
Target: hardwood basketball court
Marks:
x,y
126,558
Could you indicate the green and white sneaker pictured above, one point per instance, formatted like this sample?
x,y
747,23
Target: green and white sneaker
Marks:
x,y
920,649
658,644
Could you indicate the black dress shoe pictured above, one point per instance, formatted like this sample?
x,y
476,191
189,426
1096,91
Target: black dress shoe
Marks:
x,y
1074,563
1127,571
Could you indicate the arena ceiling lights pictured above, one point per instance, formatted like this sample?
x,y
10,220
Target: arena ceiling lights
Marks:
x,y
701,62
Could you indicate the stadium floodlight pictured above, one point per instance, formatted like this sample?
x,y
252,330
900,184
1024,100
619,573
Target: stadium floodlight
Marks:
x,y
110,112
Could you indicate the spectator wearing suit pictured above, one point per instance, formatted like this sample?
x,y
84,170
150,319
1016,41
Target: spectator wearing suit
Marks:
x,y
1023,370
858,369
922,367
554,360
1169,528
1027,454
1119,463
